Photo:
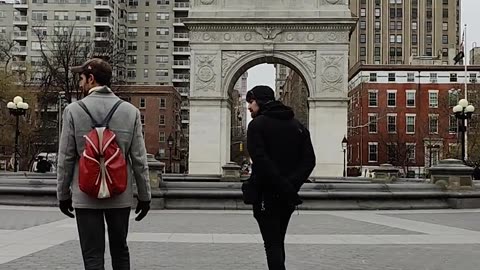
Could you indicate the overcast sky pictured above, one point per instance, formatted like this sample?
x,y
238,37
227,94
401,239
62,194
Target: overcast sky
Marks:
x,y
265,74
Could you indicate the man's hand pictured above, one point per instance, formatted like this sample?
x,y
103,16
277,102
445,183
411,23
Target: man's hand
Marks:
x,y
142,207
66,207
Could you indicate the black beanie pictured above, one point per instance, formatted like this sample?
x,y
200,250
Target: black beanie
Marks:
x,y
261,93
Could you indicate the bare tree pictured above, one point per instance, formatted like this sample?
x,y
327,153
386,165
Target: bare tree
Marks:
x,y
6,51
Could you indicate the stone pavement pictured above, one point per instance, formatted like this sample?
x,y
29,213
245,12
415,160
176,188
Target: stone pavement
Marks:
x,y
41,238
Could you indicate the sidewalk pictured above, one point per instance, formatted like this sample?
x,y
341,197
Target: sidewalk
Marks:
x,y
41,238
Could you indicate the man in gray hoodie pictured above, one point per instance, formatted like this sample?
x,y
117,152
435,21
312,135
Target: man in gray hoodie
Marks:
x,y
91,213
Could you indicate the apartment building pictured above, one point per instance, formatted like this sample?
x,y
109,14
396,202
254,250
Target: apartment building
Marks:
x,y
403,115
391,31
147,38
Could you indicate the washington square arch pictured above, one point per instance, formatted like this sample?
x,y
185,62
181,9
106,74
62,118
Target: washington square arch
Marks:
x,y
227,37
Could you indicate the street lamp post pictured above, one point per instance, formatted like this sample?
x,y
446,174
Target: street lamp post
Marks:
x,y
344,147
170,146
463,111
17,108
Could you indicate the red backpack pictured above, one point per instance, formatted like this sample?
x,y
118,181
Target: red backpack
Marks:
x,y
102,167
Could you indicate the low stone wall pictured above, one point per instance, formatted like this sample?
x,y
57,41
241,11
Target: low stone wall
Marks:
x,y
186,192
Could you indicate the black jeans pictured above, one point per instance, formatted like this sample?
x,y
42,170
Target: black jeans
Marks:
x,y
273,223
91,230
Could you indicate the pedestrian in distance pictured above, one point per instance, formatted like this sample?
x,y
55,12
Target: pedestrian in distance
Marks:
x,y
101,153
283,158
43,165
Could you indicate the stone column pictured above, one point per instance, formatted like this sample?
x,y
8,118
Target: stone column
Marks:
x,y
209,144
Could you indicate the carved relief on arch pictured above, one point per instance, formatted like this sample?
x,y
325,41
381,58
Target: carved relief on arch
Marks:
x,y
308,58
332,73
205,77
229,58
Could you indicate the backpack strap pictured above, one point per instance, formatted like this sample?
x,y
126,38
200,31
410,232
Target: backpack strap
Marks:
x,y
107,118
110,114
82,105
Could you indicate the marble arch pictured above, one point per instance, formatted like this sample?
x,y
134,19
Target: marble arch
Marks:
x,y
229,36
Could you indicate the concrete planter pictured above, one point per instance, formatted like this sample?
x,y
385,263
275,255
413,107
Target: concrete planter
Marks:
x,y
452,174
231,172
386,173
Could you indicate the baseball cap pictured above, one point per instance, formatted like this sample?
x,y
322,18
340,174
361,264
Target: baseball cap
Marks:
x,y
99,68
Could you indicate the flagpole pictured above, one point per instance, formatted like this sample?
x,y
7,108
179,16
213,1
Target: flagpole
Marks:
x,y
465,62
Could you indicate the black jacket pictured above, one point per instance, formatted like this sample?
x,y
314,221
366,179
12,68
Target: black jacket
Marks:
x,y
281,151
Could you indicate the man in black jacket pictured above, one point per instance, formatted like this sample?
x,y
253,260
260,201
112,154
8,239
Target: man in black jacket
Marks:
x,y
283,158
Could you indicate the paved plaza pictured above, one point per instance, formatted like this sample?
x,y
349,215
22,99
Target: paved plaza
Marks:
x,y
41,238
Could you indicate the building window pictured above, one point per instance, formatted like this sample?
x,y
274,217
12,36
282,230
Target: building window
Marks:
x,y
445,26
399,12
377,38
392,123
161,153
399,39
60,15
131,73
147,16
429,40
414,39
433,77
363,25
452,124
473,77
372,98
433,99
161,59
147,31
392,38
445,39
377,12
453,98
147,46
161,45
162,120
363,38
161,136
392,13
143,103
41,15
377,51
145,73
163,103
133,3
142,119
433,123
363,51
410,98
163,2
391,77
410,77
132,31
399,25
445,52
411,153
131,59
161,16
372,152
161,72
162,31
428,51
363,12
414,13
453,77
133,16
392,25
445,13
391,98
145,59
391,152
377,25
414,25
410,123
132,46
372,123
83,16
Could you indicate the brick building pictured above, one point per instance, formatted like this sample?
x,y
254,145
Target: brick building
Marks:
x,y
294,93
402,115
160,114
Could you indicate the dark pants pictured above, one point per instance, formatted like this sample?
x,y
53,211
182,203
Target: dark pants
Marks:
x,y
91,230
273,223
